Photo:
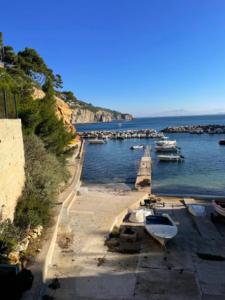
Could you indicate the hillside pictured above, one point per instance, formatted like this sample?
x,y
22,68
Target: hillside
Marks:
x,y
86,113
83,112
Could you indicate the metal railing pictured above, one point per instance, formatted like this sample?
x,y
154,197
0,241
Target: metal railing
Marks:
x,y
8,105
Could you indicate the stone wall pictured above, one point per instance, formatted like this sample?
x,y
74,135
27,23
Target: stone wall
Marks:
x,y
143,180
12,176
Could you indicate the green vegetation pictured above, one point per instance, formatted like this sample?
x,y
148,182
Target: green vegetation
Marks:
x,y
9,236
45,137
44,173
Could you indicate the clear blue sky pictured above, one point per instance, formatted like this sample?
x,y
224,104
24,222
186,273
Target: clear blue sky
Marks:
x,y
140,56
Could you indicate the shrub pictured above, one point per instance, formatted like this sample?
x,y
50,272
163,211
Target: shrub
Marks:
x,y
9,236
44,173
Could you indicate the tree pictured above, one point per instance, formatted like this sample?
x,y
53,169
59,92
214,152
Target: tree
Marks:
x,y
1,46
34,66
9,56
50,129
58,83
68,96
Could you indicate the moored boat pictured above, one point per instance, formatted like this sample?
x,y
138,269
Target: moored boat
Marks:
x,y
167,148
219,207
139,215
222,142
166,142
162,228
96,141
170,157
196,210
136,147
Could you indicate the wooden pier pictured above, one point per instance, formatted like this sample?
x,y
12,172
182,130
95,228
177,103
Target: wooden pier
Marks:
x,y
143,180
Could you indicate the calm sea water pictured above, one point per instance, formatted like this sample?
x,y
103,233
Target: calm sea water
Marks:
x,y
202,172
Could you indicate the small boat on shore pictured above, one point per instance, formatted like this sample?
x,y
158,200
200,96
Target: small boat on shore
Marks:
x,y
162,228
139,215
196,210
137,147
171,157
219,207
96,142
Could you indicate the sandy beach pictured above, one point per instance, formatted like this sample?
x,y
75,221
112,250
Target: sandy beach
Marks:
x,y
85,269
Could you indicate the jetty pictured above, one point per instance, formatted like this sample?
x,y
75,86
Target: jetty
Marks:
x,y
121,134
196,129
143,180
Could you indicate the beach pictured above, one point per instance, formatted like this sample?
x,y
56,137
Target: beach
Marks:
x,y
85,268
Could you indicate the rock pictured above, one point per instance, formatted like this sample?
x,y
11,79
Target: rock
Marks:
x,y
63,110
84,115
22,246
80,113
14,257
112,242
54,284
38,230
33,235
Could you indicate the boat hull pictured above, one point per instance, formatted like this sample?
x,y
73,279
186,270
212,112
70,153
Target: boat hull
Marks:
x,y
139,215
222,142
170,158
138,147
96,142
166,149
162,232
218,208
196,210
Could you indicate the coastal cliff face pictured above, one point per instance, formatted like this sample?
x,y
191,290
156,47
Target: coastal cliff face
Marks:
x,y
63,111
81,112
84,115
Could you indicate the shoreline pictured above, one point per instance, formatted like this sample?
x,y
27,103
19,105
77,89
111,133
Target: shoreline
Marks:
x,y
176,195
86,269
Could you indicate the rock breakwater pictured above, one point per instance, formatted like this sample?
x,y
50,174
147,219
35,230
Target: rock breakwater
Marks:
x,y
195,129
127,134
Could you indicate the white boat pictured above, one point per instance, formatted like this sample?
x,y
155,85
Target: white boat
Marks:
x,y
196,210
166,142
96,142
219,207
139,215
170,157
162,228
136,147
166,148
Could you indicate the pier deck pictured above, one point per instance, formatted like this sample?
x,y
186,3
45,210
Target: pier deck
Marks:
x,y
143,180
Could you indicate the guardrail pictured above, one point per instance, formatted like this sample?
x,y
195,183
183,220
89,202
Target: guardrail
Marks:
x,y
8,105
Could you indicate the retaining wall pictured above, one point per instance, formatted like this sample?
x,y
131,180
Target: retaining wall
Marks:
x,y
12,176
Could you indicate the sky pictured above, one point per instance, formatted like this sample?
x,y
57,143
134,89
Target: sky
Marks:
x,y
145,57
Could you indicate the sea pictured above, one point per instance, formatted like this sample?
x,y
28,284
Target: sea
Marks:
x,y
201,174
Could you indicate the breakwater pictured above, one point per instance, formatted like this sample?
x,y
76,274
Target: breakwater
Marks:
x,y
125,134
195,129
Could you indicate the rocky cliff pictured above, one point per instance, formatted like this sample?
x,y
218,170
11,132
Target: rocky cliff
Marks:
x,y
63,111
90,114
81,112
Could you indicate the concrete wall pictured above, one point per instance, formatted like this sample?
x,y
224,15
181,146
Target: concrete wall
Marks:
x,y
143,180
12,175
